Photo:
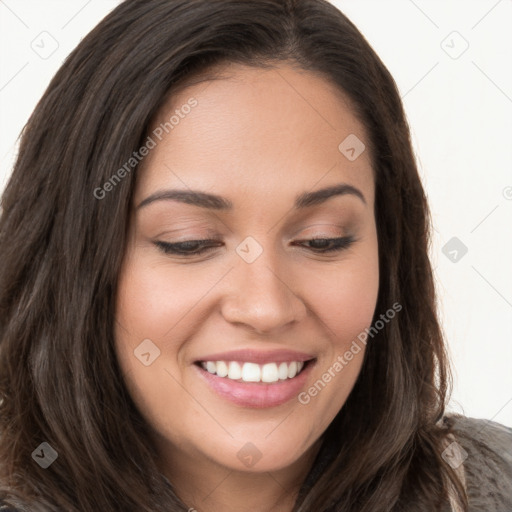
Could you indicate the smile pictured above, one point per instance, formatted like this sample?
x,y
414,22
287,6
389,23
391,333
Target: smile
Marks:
x,y
252,372
255,385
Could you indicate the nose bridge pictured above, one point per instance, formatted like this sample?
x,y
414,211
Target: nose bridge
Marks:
x,y
261,297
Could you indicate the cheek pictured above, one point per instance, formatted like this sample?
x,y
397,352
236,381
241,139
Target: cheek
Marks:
x,y
151,302
148,306
155,302
146,309
344,296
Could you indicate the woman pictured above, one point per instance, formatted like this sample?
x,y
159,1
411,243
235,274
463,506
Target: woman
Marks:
x,y
215,289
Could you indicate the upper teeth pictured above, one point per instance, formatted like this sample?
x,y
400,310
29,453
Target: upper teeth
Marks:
x,y
252,372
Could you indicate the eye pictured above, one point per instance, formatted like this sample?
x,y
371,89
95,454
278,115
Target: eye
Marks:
x,y
325,245
196,247
189,247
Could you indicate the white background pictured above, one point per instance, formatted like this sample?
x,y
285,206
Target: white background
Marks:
x,y
459,105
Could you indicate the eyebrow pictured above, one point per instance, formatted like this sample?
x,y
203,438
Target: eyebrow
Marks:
x,y
215,202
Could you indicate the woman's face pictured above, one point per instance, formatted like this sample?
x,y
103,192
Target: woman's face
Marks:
x,y
262,300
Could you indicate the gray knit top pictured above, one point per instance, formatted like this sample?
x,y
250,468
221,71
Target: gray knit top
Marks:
x,y
487,463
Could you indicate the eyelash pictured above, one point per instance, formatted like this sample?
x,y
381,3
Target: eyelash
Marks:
x,y
339,244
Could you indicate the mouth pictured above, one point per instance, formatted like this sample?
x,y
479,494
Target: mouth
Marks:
x,y
240,371
255,385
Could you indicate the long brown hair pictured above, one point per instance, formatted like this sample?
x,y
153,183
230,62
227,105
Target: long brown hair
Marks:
x,y
61,250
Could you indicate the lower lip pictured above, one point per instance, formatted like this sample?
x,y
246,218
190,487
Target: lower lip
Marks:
x,y
257,394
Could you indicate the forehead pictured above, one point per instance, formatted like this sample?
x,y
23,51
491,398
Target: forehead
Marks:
x,y
255,130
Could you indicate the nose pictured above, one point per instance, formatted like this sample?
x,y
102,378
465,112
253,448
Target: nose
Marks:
x,y
261,295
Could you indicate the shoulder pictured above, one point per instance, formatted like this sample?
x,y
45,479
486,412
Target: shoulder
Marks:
x,y
484,449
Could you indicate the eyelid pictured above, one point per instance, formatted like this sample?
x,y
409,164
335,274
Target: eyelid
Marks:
x,y
191,233
338,244
327,229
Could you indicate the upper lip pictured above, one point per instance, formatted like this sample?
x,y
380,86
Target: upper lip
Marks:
x,y
258,356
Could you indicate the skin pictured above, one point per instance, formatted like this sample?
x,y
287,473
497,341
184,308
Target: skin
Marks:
x,y
259,138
